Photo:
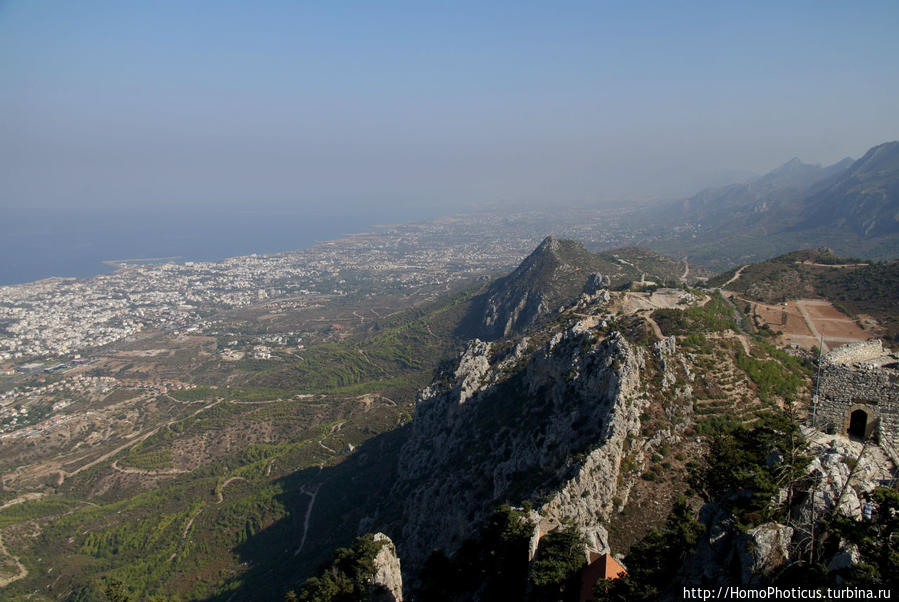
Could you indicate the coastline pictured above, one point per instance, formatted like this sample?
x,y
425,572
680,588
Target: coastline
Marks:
x,y
40,243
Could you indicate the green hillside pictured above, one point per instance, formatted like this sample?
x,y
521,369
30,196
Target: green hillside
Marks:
x,y
855,286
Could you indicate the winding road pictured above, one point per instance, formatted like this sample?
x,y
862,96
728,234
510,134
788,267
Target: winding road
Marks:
x,y
736,276
218,490
23,572
63,474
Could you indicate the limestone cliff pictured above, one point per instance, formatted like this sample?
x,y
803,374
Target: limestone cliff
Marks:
x,y
558,274
552,276
387,582
553,427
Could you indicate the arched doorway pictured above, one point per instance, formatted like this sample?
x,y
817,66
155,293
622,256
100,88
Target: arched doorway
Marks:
x,y
858,424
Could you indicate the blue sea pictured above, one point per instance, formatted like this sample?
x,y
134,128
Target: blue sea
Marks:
x,y
40,243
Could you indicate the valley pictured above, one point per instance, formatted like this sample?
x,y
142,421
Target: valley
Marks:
x,y
216,431
448,302
190,472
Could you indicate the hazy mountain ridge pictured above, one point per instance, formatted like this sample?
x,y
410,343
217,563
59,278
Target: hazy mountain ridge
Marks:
x,y
766,193
850,206
863,199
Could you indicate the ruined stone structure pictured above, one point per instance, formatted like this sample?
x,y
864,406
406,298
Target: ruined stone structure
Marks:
x,y
858,393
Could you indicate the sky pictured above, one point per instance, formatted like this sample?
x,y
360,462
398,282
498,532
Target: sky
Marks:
x,y
301,104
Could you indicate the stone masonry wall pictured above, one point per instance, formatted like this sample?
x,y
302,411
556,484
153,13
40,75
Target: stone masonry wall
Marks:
x,y
846,386
856,352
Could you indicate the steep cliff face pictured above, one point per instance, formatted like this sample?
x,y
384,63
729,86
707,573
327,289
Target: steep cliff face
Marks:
x,y
387,581
553,427
554,274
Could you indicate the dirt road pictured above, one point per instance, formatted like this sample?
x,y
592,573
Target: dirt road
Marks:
x,y
735,277
811,325
219,490
145,471
23,572
22,498
312,495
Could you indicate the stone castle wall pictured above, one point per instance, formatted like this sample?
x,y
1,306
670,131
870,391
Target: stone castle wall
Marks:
x,y
852,378
856,352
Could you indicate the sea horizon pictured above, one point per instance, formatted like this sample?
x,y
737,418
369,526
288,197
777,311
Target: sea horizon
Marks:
x,y
41,243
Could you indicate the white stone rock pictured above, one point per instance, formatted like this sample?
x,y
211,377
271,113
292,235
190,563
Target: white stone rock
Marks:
x,y
762,550
387,572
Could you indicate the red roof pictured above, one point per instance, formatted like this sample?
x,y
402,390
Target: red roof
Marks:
x,y
601,566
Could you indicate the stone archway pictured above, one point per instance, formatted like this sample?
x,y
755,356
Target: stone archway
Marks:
x,y
860,422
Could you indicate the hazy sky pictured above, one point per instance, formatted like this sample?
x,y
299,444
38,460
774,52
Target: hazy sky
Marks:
x,y
295,103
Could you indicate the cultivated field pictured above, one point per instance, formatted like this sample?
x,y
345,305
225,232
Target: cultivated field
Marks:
x,y
805,321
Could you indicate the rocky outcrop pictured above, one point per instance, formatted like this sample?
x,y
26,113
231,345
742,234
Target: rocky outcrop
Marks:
x,y
387,582
550,277
840,474
665,351
595,292
709,563
762,550
555,432
846,556
506,314
472,368
590,497
596,282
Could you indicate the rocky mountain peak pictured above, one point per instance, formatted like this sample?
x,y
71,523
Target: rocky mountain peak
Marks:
x,y
882,159
551,276
549,244
791,165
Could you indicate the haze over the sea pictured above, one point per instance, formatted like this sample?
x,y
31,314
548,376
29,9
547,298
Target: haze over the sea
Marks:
x,y
410,109
40,243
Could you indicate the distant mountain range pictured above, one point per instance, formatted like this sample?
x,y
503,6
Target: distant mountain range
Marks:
x,y
850,206
864,198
